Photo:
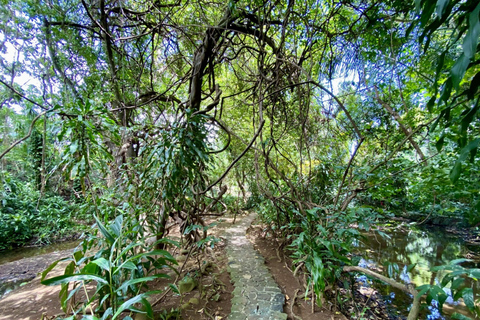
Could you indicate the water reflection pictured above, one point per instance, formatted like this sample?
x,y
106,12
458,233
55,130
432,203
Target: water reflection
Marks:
x,y
424,247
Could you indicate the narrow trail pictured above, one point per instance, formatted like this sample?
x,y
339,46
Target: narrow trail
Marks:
x,y
256,295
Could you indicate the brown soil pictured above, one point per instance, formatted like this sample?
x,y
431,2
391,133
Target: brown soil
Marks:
x,y
33,299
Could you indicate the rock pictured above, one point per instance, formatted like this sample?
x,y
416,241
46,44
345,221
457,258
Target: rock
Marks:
x,y
187,284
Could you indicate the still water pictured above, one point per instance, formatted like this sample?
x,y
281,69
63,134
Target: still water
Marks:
x,y
27,252
425,247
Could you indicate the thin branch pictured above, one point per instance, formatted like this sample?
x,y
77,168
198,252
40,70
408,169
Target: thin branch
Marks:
x,y
25,137
22,95
346,171
236,160
408,288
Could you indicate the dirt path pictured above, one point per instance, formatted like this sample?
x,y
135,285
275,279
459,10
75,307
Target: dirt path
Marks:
x,y
33,299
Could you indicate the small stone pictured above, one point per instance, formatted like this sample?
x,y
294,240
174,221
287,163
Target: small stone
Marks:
x,y
187,284
247,276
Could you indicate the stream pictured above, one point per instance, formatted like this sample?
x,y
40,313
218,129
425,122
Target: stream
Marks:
x,y
426,247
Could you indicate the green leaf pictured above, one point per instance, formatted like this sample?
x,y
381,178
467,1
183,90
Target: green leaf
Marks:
x,y
139,280
440,7
50,267
131,302
126,265
446,92
464,153
469,117
459,69
104,231
116,226
103,263
174,288
440,142
69,278
63,294
471,38
455,172
431,103
107,314
89,317
162,253
467,296
422,290
459,316
411,267
456,283
474,86
428,9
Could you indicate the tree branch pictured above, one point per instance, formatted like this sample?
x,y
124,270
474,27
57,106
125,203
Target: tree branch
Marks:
x,y
408,288
25,137
236,160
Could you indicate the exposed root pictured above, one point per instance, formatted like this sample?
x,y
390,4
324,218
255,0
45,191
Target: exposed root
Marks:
x,y
292,304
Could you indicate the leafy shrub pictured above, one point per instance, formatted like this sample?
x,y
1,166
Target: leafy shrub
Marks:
x,y
25,215
120,265
325,243
453,285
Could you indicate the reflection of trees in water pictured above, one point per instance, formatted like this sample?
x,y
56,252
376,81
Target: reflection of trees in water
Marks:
x,y
426,249
423,248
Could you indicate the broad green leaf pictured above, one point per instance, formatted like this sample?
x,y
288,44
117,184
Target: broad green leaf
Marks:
x,y
116,226
103,263
456,283
131,302
50,267
69,278
422,290
459,69
467,295
455,173
126,265
428,9
63,294
108,313
469,117
471,38
440,7
459,316
104,231
474,85
140,280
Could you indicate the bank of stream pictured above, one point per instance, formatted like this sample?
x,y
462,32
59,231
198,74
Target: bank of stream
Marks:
x,y
426,247
21,265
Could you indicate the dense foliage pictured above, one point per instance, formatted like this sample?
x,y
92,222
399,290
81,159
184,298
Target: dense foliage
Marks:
x,y
318,114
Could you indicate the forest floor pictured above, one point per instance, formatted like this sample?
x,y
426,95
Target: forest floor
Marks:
x,y
211,299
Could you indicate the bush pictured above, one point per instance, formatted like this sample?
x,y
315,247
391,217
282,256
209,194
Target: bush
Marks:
x,y
25,216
